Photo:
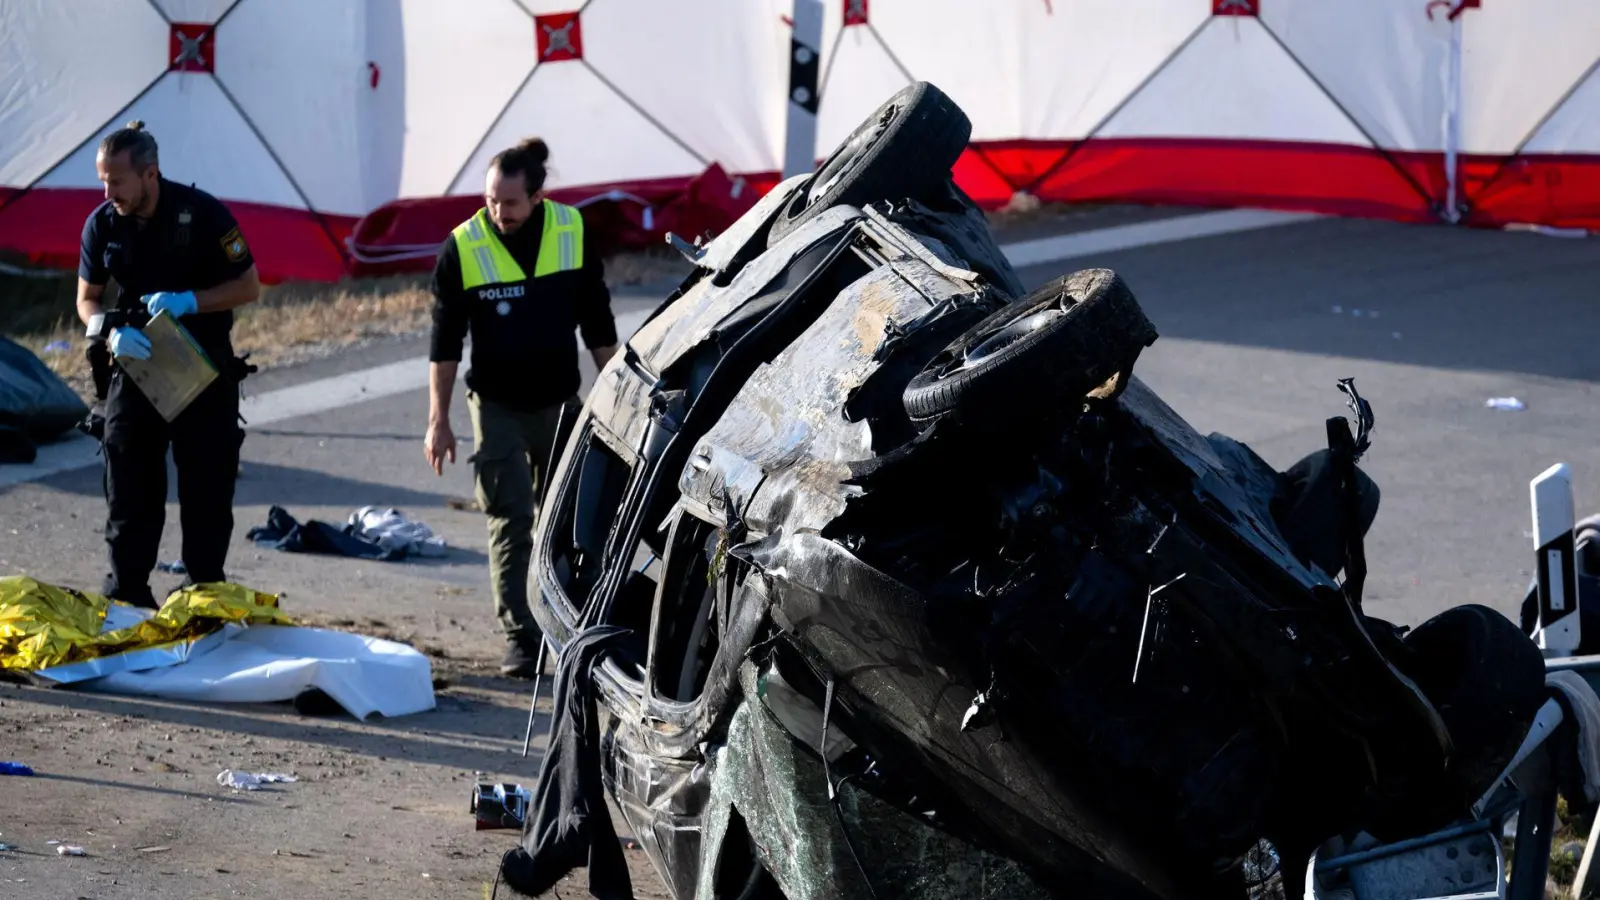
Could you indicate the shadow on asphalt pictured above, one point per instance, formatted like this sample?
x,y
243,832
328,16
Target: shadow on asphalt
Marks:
x,y
461,734
144,788
348,435
1459,298
269,484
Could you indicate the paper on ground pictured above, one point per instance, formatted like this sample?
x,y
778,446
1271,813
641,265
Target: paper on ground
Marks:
x,y
274,663
250,781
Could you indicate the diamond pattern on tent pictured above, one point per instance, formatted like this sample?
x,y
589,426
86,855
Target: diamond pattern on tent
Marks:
x,y
964,58
857,76
1234,82
1236,7
595,136
495,43
1574,126
1518,61
744,130
53,100
1389,70
1109,67
855,12
224,158
1114,46
284,75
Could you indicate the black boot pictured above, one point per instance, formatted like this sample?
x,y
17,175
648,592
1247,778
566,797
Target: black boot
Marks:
x,y
522,657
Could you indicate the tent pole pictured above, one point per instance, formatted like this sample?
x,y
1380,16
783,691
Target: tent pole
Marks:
x,y
805,45
1452,126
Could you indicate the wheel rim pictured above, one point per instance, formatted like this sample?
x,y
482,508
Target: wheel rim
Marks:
x,y
1017,329
843,160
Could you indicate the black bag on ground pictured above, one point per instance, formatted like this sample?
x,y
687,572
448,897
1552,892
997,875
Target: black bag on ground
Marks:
x,y
36,406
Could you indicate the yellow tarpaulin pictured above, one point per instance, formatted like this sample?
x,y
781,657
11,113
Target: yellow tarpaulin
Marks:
x,y
42,625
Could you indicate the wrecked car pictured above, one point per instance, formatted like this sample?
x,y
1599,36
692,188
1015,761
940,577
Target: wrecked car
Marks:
x,y
874,573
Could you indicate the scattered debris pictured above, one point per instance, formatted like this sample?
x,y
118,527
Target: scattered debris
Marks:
x,y
391,530
1508,403
286,534
14,768
70,850
249,781
152,849
500,805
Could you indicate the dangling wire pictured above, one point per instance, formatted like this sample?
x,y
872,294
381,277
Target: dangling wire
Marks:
x,y
833,796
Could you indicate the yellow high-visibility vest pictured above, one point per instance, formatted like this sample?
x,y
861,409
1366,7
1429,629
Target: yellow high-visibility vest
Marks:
x,y
485,260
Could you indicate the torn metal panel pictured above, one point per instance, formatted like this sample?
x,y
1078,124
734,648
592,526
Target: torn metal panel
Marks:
x,y
693,319
954,222
663,800
750,231
783,434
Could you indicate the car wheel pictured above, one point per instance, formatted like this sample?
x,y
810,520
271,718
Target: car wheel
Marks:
x,y
904,149
1486,678
1058,345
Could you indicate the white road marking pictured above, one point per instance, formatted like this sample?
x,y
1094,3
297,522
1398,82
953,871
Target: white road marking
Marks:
x,y
335,392
309,398
1143,234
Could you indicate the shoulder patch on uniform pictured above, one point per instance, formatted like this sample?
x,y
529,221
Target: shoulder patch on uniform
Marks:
x,y
233,245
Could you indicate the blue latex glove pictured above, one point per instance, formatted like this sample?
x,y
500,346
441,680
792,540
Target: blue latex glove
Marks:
x,y
129,342
176,305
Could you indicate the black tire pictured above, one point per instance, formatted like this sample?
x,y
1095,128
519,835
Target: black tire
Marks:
x,y
904,149
1057,345
1486,678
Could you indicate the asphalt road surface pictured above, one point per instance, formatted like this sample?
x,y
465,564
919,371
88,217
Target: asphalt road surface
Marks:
x,y
1256,329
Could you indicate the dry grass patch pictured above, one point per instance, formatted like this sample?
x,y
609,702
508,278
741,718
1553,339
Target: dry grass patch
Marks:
x,y
291,319
291,323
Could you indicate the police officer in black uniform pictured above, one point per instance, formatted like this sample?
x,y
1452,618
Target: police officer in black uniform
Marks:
x,y
172,248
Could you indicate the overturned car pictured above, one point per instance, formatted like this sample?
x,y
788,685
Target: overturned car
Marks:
x,y
875,574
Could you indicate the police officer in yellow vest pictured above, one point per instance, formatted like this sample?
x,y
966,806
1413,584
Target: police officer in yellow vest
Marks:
x,y
521,276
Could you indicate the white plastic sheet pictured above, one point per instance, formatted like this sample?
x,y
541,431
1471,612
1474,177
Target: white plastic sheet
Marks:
x,y
271,663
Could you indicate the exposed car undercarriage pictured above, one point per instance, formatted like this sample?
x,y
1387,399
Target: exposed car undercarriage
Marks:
x,y
894,580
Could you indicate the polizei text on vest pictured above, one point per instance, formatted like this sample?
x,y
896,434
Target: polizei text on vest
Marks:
x,y
500,293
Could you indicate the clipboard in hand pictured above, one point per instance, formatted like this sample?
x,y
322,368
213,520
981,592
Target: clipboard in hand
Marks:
x,y
177,370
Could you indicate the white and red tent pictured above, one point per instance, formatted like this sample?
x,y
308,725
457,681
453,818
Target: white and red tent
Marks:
x,y
348,135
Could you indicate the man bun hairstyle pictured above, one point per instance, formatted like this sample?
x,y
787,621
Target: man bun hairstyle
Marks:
x,y
527,159
140,144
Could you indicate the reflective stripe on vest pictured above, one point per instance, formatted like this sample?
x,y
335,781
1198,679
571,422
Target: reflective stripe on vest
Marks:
x,y
485,260
561,244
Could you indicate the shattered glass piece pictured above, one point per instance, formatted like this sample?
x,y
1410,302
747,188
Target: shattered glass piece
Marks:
x,y
778,788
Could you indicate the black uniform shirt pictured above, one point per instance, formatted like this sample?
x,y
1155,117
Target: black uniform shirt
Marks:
x,y
524,355
190,243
